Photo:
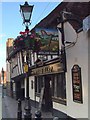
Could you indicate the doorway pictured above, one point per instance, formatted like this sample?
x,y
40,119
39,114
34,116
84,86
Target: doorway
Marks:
x,y
48,94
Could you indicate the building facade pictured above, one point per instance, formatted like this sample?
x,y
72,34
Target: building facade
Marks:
x,y
69,88
62,79
9,48
1,79
16,75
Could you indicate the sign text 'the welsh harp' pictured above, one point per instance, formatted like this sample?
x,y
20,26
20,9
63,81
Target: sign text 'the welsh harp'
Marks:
x,y
48,69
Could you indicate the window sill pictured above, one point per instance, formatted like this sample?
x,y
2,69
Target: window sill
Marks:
x,y
55,99
59,100
37,94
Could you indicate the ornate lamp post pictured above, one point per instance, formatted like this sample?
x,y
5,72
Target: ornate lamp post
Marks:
x,y
26,12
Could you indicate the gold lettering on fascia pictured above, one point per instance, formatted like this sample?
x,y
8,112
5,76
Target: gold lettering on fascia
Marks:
x,y
57,67
47,69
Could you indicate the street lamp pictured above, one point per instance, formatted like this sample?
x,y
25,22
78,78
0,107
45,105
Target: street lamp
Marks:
x,y
26,12
3,82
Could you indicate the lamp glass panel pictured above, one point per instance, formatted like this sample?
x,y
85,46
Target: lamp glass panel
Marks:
x,y
27,15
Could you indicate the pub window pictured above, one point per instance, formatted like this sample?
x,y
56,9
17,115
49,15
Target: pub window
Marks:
x,y
31,84
35,84
61,86
58,87
38,84
22,59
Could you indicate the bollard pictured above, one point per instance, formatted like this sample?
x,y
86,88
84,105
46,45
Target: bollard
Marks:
x,y
27,113
38,115
19,112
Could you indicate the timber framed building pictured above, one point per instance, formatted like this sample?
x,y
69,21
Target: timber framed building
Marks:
x,y
65,90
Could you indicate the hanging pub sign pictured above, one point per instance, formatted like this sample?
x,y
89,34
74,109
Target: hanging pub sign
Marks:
x,y
77,84
47,41
41,40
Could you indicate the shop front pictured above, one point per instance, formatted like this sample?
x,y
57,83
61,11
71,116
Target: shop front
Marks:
x,y
18,89
51,77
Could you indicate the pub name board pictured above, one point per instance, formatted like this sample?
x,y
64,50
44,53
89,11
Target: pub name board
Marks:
x,y
48,69
77,84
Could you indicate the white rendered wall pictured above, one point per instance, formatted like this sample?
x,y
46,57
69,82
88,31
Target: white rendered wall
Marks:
x,y
60,107
77,54
8,71
31,91
88,74
25,86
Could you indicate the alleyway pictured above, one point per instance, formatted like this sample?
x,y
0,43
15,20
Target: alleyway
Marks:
x,y
10,105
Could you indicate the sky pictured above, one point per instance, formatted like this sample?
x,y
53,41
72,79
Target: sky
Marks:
x,y
11,21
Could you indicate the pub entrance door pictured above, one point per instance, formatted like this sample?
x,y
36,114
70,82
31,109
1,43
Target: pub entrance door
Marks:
x,y
48,95
18,86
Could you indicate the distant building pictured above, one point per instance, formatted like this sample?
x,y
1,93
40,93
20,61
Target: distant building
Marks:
x,y
1,80
9,46
9,50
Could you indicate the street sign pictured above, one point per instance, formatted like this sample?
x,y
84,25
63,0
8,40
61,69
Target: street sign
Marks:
x,y
25,68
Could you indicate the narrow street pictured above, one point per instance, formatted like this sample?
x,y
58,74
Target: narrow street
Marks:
x,y
10,105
